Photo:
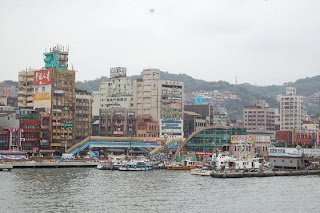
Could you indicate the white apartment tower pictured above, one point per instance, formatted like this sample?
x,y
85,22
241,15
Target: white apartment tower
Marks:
x,y
146,96
291,110
117,91
161,99
25,89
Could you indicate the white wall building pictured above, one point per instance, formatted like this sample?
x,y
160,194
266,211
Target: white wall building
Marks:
x,y
96,103
116,91
291,110
162,99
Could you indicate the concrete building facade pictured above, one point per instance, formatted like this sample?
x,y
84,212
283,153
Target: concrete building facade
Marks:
x,y
171,112
259,117
116,91
51,90
25,89
147,126
96,103
83,115
291,110
116,121
162,99
147,92
286,158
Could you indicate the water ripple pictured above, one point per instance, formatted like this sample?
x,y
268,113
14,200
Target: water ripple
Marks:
x,y
91,190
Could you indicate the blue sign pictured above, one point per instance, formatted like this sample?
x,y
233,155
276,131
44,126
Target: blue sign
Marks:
x,y
171,125
199,100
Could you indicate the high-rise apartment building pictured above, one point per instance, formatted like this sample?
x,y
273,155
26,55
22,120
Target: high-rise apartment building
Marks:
x,y
171,117
96,103
83,115
259,117
162,99
147,92
291,110
117,90
52,90
25,89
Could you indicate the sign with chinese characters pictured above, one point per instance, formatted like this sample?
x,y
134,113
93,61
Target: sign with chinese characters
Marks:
x,y
42,77
172,82
118,72
285,152
242,139
40,96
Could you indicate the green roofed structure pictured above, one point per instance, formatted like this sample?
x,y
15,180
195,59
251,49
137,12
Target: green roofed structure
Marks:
x,y
57,58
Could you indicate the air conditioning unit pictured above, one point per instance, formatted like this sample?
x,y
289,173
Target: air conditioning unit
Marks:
x,y
22,139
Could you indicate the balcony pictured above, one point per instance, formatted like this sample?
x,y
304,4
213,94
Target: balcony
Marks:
x,y
59,92
118,125
30,98
118,117
29,105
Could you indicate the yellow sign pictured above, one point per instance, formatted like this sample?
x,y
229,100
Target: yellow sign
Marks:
x,y
39,96
242,139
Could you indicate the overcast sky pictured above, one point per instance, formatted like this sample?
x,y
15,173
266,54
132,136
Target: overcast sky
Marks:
x,y
262,42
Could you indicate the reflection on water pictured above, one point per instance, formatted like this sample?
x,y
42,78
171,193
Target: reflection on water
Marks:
x,y
91,190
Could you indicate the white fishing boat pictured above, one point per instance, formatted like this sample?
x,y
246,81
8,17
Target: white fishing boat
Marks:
x,y
204,171
243,161
105,166
112,163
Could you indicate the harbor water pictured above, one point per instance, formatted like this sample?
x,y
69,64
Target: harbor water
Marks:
x,y
92,190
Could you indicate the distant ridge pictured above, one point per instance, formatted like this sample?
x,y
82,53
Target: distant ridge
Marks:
x,y
246,92
305,86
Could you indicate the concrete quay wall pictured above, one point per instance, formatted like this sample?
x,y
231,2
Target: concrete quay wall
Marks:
x,y
5,166
54,164
264,174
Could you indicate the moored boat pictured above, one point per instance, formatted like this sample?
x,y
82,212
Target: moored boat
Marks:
x,y
186,165
204,171
105,166
135,165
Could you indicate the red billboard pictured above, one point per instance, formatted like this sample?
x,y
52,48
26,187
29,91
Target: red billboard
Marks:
x,y
42,77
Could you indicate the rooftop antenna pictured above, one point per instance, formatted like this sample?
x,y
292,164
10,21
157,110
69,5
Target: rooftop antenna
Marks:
x,y
236,80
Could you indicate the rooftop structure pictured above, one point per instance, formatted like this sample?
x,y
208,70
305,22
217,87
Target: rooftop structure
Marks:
x,y
57,58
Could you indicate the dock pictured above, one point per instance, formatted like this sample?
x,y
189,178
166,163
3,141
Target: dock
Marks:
x,y
6,166
264,174
57,164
